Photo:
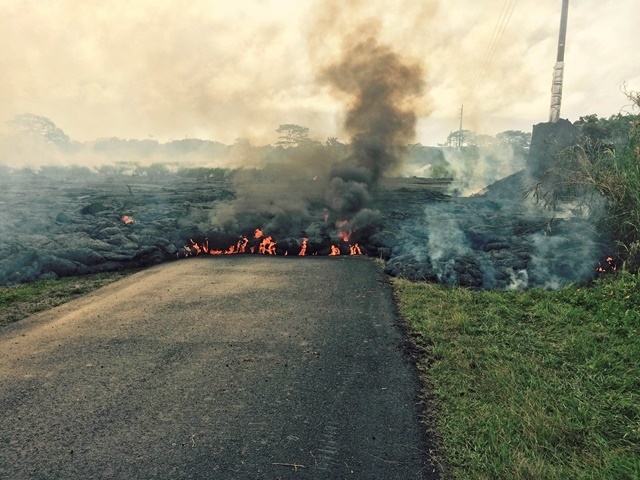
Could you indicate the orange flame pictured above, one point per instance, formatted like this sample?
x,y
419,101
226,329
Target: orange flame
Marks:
x,y
334,251
303,250
127,220
267,247
195,247
355,249
258,233
242,245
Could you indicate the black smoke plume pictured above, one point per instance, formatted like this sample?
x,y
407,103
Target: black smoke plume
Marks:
x,y
379,89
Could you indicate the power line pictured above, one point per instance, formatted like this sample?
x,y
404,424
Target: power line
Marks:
x,y
485,56
494,47
500,28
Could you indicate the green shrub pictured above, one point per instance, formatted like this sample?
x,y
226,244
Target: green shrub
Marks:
x,y
604,164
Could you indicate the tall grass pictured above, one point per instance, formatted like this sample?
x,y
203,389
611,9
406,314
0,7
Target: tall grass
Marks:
x,y
621,187
534,384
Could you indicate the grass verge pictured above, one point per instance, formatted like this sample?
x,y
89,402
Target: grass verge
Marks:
x,y
20,301
535,384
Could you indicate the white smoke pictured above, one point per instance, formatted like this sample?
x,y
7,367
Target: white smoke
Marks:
x,y
475,168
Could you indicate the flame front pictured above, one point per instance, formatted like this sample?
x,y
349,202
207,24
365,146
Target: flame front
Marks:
x,y
266,245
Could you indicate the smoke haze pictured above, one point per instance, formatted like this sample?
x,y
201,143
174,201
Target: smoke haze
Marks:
x,y
224,70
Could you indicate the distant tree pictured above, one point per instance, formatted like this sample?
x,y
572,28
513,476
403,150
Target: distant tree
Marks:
x,y
419,155
593,127
119,146
193,145
39,127
292,135
334,147
333,142
519,140
465,138
614,130
481,140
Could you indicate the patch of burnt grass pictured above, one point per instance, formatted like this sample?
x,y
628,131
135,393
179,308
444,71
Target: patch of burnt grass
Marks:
x,y
534,384
20,301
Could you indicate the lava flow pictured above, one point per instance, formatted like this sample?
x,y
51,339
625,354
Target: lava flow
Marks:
x,y
266,245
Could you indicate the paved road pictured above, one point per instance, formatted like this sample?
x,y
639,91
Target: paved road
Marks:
x,y
224,368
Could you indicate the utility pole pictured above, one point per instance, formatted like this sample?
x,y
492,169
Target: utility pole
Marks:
x,y
558,69
460,129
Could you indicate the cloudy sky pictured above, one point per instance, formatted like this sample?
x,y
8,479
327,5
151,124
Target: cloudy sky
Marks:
x,y
225,70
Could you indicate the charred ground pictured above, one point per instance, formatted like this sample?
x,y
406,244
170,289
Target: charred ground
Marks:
x,y
64,222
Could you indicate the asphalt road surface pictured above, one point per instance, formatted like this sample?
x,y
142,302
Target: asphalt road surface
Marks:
x,y
224,368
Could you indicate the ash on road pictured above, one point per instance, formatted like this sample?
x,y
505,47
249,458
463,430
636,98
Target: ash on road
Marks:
x,y
234,368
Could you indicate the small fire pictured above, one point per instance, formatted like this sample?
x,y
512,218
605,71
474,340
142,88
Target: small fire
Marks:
x,y
345,231
315,178
258,233
609,267
303,250
127,220
355,249
334,251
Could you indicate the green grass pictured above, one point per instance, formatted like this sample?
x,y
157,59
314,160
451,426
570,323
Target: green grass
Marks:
x,y
534,384
18,302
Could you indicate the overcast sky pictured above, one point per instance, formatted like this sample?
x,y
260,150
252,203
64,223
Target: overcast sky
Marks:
x,y
224,70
